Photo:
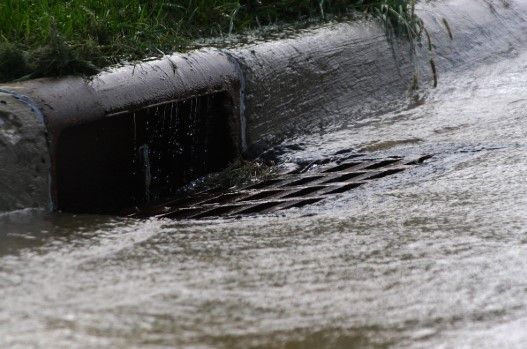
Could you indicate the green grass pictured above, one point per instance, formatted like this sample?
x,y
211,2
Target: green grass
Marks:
x,y
57,37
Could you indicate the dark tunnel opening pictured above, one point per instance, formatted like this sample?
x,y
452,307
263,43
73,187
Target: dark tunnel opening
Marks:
x,y
135,157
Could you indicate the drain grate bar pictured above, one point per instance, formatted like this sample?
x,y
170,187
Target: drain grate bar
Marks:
x,y
294,189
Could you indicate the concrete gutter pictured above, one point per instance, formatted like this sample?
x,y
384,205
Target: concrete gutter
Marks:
x,y
273,91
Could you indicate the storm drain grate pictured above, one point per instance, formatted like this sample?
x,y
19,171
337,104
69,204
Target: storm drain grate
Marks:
x,y
310,184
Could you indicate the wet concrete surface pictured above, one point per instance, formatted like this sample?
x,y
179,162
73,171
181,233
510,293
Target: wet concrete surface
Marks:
x,y
24,159
348,71
431,257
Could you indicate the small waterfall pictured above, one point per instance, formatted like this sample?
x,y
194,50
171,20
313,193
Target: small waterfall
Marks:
x,y
145,157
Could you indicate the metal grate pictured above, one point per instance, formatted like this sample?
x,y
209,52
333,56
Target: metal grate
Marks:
x,y
307,185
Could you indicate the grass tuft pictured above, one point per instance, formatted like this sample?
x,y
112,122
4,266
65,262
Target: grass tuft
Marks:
x,y
13,62
399,17
59,58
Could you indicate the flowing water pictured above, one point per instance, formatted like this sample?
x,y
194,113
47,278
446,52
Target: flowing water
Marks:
x,y
431,257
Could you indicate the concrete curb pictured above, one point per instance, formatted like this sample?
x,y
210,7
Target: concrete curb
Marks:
x,y
350,71
23,156
108,99
273,91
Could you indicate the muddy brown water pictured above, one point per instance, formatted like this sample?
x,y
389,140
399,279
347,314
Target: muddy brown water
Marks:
x,y
432,257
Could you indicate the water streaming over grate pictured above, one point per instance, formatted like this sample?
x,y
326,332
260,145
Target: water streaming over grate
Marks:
x,y
306,185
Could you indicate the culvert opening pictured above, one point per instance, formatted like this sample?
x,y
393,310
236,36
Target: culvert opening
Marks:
x,y
142,155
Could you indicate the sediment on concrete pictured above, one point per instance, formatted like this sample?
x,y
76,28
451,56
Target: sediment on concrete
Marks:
x,y
115,139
